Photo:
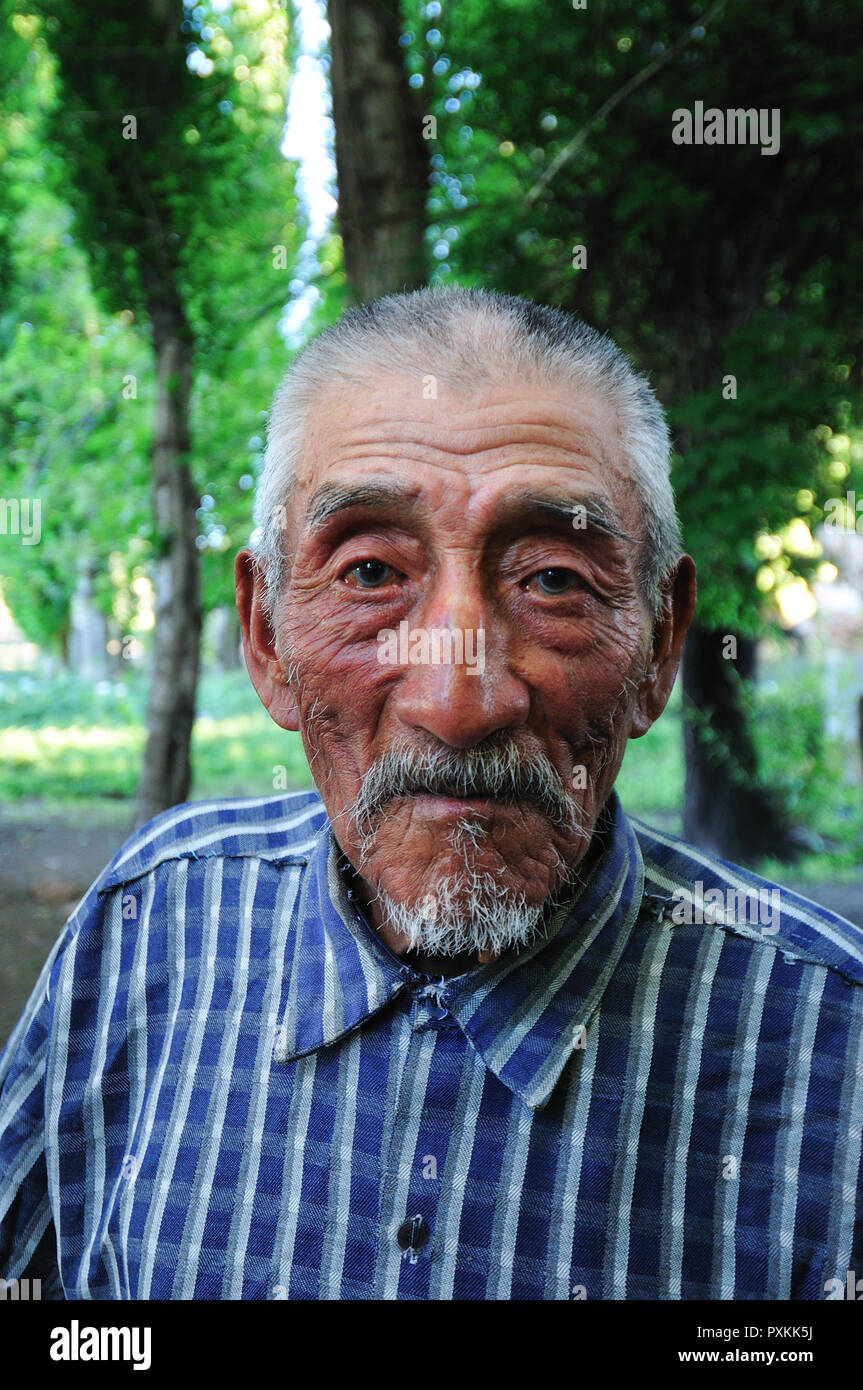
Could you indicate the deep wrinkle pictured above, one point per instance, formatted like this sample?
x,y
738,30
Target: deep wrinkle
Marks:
x,y
461,509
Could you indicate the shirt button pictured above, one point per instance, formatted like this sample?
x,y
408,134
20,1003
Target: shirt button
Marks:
x,y
412,1235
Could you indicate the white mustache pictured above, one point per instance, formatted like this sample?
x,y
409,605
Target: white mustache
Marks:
x,y
501,772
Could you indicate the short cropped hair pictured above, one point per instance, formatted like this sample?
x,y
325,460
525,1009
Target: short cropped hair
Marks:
x,y
467,338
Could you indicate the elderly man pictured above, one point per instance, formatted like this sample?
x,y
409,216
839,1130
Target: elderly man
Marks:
x,y
453,1027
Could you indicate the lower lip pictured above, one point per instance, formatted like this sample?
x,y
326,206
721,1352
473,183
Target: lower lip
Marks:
x,y
458,805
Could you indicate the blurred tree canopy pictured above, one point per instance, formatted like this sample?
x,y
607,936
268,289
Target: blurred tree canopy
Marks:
x,y
69,421
727,273
164,133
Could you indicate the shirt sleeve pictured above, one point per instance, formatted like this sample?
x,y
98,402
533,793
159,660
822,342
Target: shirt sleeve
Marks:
x,y
28,1240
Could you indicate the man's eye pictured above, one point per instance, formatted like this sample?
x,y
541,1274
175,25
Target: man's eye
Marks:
x,y
370,574
555,581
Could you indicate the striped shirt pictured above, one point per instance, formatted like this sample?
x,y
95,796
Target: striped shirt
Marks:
x,y
225,1086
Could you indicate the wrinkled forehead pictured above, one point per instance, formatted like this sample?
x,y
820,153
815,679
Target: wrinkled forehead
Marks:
x,y
477,444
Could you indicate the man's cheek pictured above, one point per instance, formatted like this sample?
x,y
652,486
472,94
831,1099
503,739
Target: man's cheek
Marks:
x,y
599,678
328,658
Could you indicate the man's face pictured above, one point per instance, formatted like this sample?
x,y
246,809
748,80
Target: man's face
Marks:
x,y
505,518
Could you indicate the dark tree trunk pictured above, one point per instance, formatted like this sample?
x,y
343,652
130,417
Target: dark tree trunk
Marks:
x,y
726,810
224,635
381,157
138,70
166,773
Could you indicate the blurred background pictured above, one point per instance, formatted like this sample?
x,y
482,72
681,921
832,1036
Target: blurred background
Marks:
x,y
190,192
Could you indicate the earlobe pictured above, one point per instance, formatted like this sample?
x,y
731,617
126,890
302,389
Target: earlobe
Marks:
x,y
283,708
642,716
260,649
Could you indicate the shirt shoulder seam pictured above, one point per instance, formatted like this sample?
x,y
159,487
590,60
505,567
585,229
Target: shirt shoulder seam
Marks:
x,y
278,861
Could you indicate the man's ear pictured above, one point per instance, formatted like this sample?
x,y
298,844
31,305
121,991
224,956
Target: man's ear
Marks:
x,y
259,643
675,615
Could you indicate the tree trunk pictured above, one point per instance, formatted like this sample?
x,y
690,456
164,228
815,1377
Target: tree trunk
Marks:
x,y
380,152
88,629
224,636
166,774
726,811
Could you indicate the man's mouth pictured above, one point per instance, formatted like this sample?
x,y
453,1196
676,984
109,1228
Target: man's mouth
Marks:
x,y
501,786
455,803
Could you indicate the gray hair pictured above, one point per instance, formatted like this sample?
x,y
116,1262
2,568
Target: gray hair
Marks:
x,y
466,338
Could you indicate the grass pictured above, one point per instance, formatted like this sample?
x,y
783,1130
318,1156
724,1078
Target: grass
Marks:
x,y
67,741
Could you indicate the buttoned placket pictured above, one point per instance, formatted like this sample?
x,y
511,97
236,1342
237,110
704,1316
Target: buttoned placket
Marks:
x,y
427,1000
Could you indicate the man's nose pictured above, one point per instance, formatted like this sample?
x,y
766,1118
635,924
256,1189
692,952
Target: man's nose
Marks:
x,y
459,687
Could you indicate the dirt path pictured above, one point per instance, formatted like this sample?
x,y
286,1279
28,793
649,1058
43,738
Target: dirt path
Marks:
x,y
45,866
48,862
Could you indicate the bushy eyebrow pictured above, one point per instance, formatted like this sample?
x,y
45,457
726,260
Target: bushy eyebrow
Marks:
x,y
596,509
518,505
332,498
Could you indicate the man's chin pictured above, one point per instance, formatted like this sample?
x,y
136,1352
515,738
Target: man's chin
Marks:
x,y
463,912
452,875
471,899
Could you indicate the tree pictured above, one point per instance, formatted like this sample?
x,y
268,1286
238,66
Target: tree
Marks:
x,y
53,362
380,152
180,199
714,265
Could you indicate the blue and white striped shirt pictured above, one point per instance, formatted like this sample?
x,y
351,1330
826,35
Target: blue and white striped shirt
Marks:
x,y
225,1086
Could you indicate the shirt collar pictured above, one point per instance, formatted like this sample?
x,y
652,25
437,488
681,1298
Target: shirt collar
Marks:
x,y
526,1013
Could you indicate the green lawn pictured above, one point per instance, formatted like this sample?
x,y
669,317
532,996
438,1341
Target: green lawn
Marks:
x,y
68,739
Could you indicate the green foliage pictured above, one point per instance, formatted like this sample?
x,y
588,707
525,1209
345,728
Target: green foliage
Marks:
x,y
77,384
174,168
69,439
702,261
650,782
743,479
62,739
818,777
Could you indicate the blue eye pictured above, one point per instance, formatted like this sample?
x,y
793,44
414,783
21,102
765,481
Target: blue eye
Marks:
x,y
555,581
371,574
